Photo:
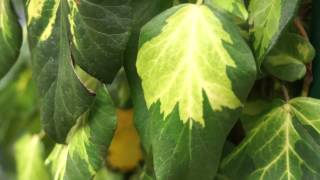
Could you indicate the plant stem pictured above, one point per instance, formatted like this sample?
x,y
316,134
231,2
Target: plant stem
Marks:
x,y
307,81
309,76
199,2
285,92
299,26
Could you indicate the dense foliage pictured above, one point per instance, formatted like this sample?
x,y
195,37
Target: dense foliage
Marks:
x,y
219,89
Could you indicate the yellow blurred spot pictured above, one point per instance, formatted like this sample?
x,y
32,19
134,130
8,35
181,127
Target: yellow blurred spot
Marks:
x,y
23,81
125,150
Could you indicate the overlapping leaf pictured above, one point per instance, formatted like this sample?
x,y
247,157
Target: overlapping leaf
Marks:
x,y
236,8
287,59
10,37
284,145
268,20
188,69
86,151
98,32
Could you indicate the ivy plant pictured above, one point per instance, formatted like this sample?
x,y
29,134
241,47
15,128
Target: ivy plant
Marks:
x,y
219,89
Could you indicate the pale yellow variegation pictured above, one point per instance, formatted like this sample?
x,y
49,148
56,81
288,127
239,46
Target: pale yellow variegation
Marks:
x,y
189,58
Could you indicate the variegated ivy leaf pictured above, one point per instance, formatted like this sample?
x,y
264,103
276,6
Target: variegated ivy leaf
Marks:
x,y
236,8
98,32
268,20
29,155
193,37
283,145
85,153
193,55
10,37
287,59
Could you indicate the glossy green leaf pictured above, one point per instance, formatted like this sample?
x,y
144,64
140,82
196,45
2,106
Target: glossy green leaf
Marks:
x,y
189,72
10,37
236,8
85,153
287,59
284,145
268,20
29,154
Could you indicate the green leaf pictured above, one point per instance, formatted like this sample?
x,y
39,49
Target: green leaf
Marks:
x,y
29,153
284,145
85,153
189,72
268,20
100,32
287,59
236,8
63,97
10,37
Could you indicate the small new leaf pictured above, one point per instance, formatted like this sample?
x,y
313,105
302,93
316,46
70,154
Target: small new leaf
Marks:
x,y
287,59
